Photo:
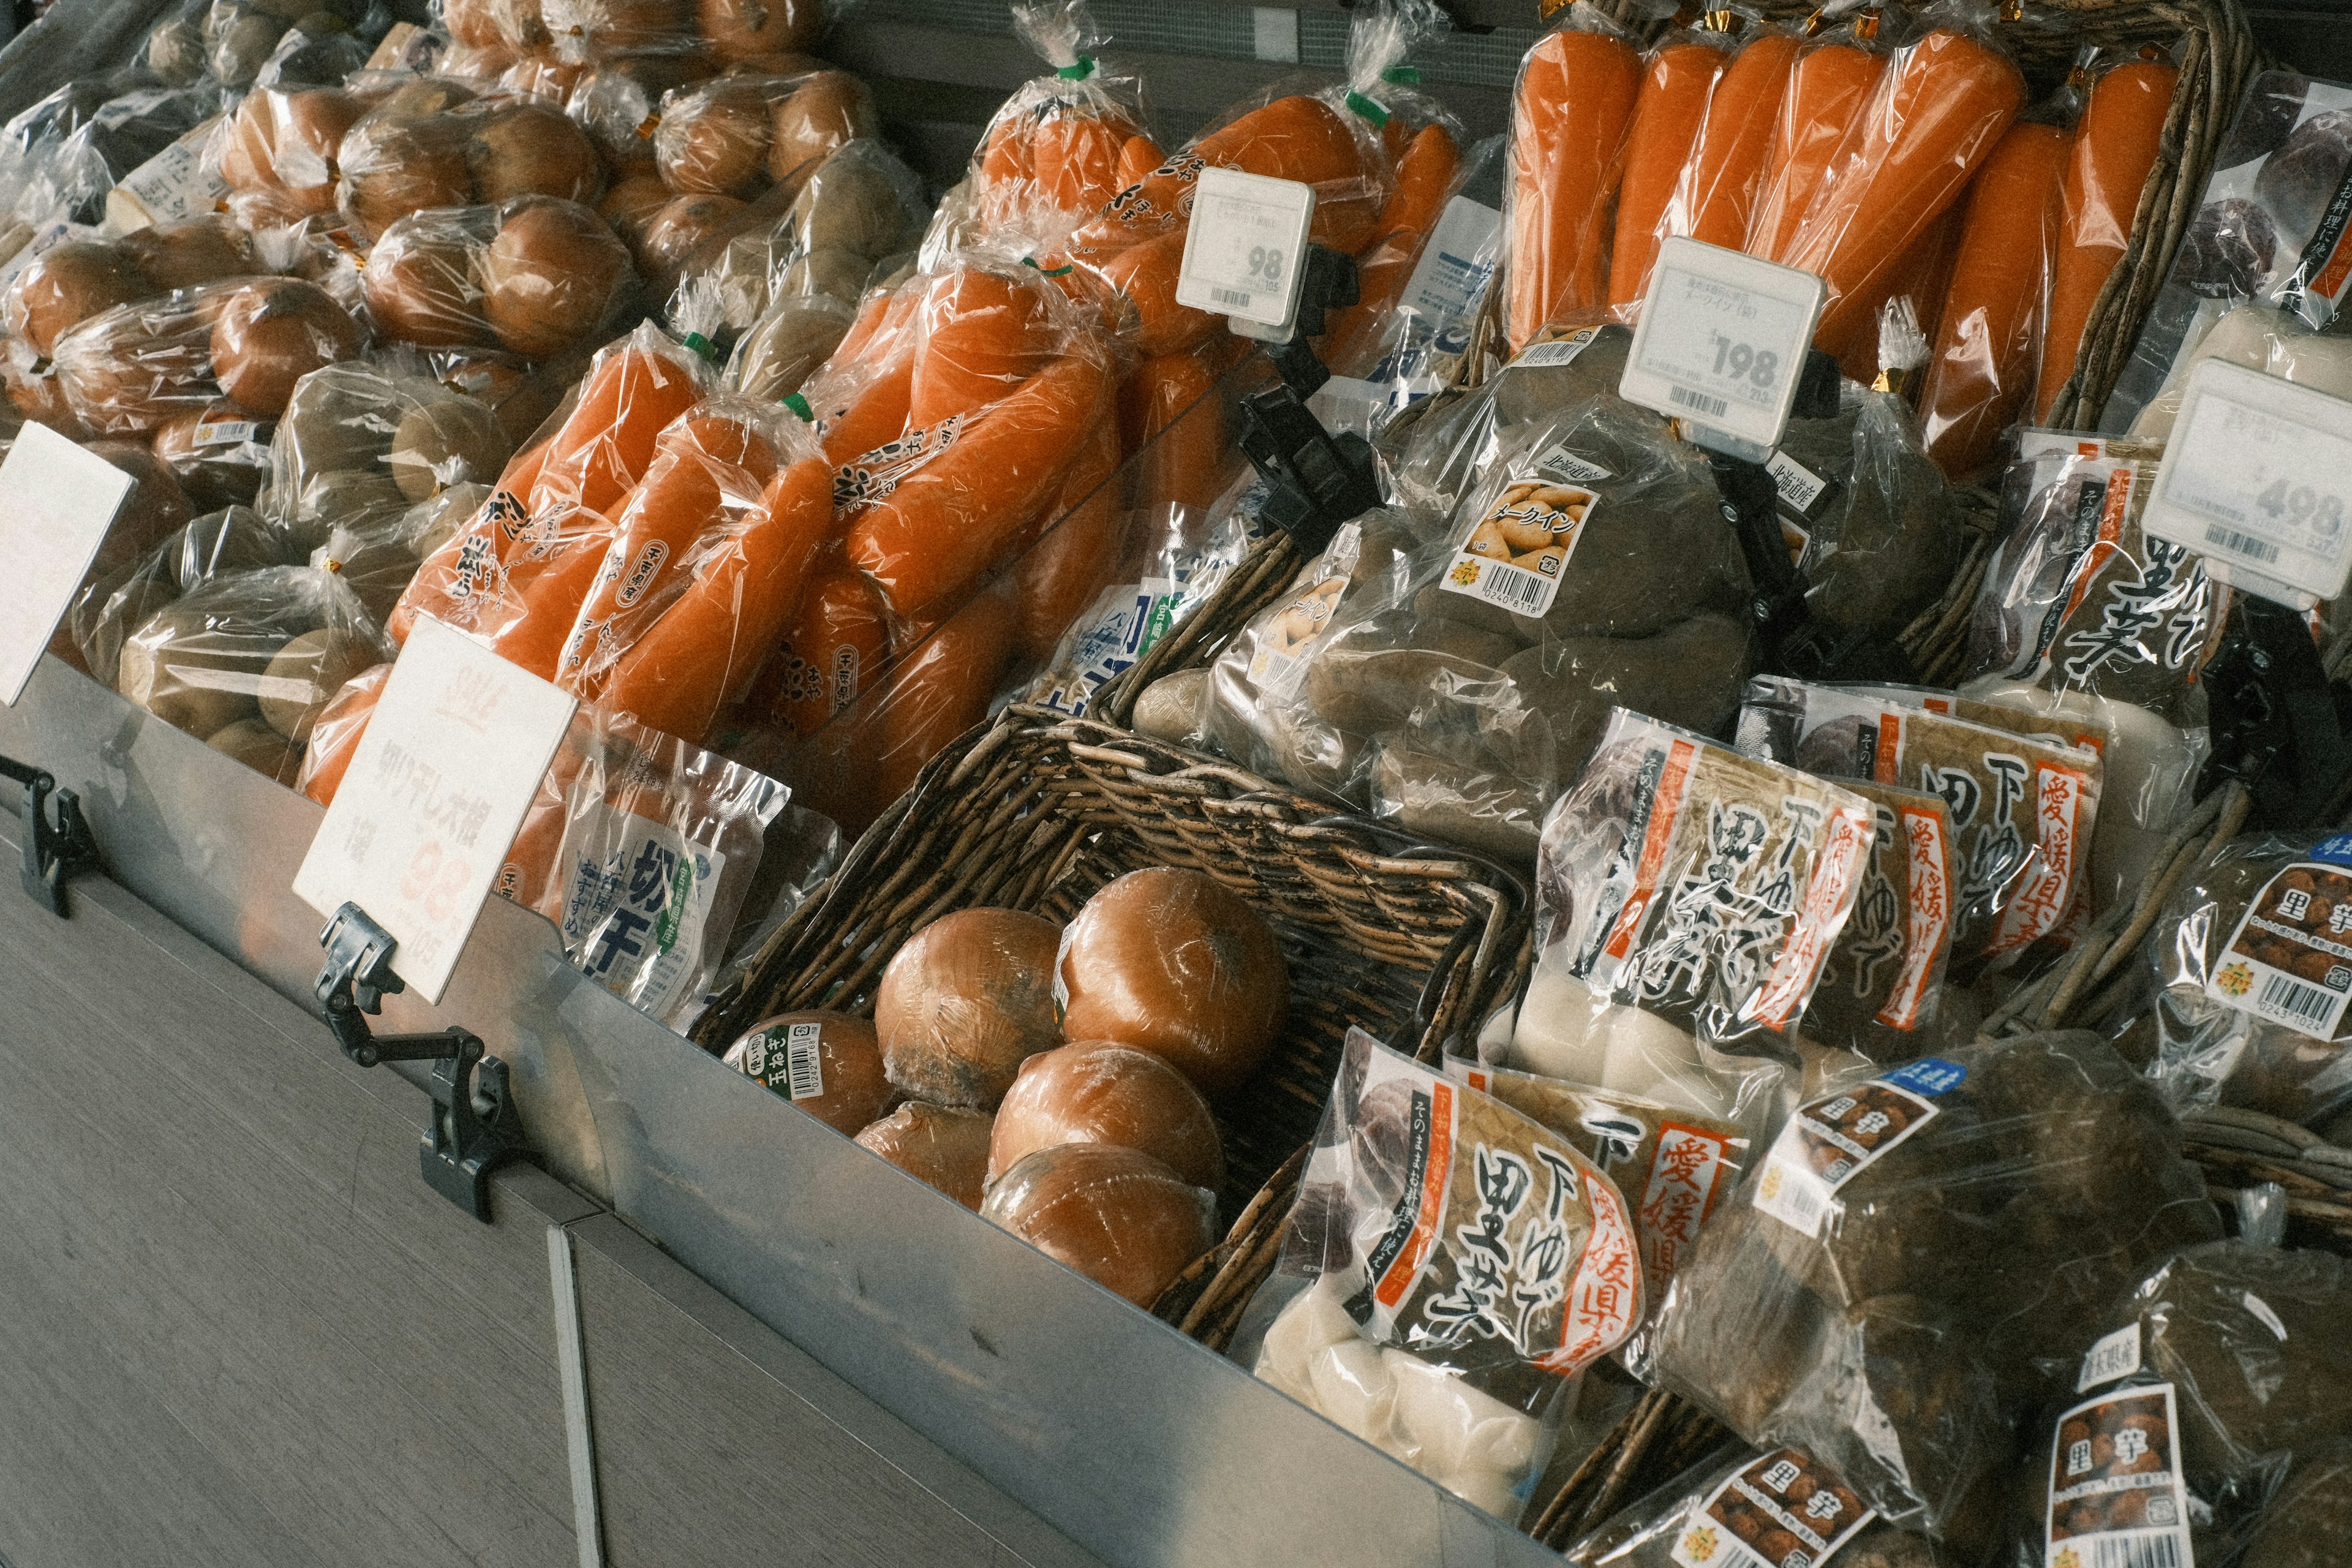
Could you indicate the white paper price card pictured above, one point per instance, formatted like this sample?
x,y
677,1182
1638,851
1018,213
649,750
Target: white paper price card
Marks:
x,y
438,787
2257,479
1722,340
1247,249
56,501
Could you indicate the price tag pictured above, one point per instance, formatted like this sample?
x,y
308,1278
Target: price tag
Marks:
x,y
436,793
1722,340
2257,479
56,501
1245,250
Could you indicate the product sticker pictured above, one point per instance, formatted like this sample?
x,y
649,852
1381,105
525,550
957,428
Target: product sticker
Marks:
x,y
1560,463
1243,249
787,1060
172,187
1285,641
2290,960
1457,261
1721,340
2116,1495
1514,557
636,896
1831,1140
1557,352
1119,631
1927,913
1800,489
1787,1509
215,430
2115,1355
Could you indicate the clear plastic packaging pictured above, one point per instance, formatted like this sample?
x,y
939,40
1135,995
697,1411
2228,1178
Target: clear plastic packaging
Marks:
x,y
1116,1216
359,443
1678,79
1570,112
736,135
2021,810
433,143
1832,82
68,283
113,604
285,144
1722,182
537,276
2276,342
2250,958
1746,1509
134,368
1914,1250
1450,1267
1050,158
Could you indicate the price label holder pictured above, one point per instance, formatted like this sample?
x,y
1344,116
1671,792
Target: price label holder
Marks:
x,y
2257,480
1245,250
1721,345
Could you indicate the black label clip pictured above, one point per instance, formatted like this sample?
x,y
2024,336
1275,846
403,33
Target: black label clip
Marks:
x,y
53,855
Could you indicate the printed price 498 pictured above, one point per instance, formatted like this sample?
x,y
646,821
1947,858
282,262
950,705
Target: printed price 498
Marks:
x,y
2302,505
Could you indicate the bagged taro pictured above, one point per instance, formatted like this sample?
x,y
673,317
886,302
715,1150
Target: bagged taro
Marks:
x,y
2253,958
2194,1393
2309,1514
1702,889
113,604
1741,1508
1450,1268
1889,1287
2022,809
359,443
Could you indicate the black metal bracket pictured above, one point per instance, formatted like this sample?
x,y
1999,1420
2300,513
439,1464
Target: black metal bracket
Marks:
x,y
1793,642
2279,724
1315,481
474,1128
54,856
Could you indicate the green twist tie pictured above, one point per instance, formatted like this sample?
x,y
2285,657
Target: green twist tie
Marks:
x,y
1408,75
1084,69
1063,271
1367,109
702,346
799,405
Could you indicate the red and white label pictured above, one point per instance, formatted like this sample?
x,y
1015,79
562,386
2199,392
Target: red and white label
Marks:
x,y
1928,930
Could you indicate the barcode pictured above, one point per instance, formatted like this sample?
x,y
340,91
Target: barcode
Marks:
x,y
1515,590
1790,1194
2141,1551
804,1069
2308,1003
2237,543
1231,297
1700,401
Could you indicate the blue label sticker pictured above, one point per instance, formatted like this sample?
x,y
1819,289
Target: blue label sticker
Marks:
x,y
1930,1075
2335,850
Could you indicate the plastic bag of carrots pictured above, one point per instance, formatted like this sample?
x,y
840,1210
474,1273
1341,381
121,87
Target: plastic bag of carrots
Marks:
x,y
1065,143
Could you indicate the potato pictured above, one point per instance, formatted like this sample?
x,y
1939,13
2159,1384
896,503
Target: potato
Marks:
x,y
1440,799
1690,674
531,149
552,276
823,115
840,274
716,142
439,444
67,285
270,336
318,663
1368,691
852,204
183,255
787,344
166,658
1169,707
261,747
743,28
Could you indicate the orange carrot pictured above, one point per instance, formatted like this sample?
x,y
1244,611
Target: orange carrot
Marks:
x,y
1667,115
713,637
1944,102
1424,179
2115,148
1570,113
606,444
880,316
940,689
1829,86
875,413
1923,273
832,647
1145,275
1717,198
982,334
1181,448
1009,156
1138,156
335,737
1077,157
948,521
1060,575
544,587
1985,340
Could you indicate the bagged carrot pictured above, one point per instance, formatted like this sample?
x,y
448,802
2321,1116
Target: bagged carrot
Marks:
x,y
1717,198
941,686
1430,171
1051,157
2115,148
1059,575
1833,78
1988,334
834,646
1571,111
1175,424
1678,78
1945,100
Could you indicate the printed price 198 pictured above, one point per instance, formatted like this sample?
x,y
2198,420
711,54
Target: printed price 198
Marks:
x,y
1742,363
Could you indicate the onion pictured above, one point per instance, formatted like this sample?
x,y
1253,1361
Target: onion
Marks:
x,y
967,999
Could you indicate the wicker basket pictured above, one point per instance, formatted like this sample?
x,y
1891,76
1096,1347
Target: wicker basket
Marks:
x,y
1036,813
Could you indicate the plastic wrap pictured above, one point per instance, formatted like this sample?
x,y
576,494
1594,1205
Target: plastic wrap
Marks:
x,y
359,443
1570,111
1832,82
112,605
2221,1370
1450,1266
1051,156
1116,1216
2310,1513
379,554
132,369
244,661
1678,79
2276,342
219,453
1882,531
537,276
69,178
285,144
786,344
2267,231
2253,967
1423,281
1716,194
432,144
69,283
1885,1286
736,135
1932,120
1747,1510
826,1064
2022,810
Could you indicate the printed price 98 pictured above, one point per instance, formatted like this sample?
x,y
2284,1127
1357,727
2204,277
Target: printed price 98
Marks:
x,y
1741,363
1265,262
436,879
2303,504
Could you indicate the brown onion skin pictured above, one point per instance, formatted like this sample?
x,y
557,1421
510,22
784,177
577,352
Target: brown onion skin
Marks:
x,y
1093,1091
854,1090
965,1002
1116,1216
942,1146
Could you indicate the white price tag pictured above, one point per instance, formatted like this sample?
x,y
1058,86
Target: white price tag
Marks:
x,y
1722,340
56,501
1245,250
2257,479
436,793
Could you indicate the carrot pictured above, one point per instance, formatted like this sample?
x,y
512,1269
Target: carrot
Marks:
x,y
882,313
1570,113
832,647
948,521
1667,114
1060,575
1009,156
1828,87
981,335
705,461
1935,117
1146,275
335,737
1716,200
875,413
545,585
606,444
713,637
1178,439
1985,338
2115,147
1077,157
1924,272
464,565
940,689
1138,156
1424,179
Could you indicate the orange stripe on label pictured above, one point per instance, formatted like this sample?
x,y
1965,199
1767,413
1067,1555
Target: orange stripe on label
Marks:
x,y
1434,1173
1890,746
1666,805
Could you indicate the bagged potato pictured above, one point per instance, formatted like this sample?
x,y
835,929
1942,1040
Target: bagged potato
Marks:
x,y
134,368
1450,1267
2252,956
111,606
